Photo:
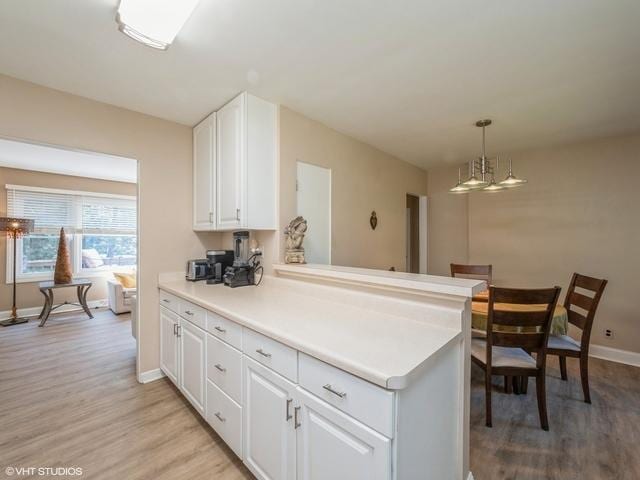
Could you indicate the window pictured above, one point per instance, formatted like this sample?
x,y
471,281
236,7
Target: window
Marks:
x,y
101,231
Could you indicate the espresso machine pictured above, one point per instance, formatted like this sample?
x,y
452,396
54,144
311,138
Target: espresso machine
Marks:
x,y
218,261
245,265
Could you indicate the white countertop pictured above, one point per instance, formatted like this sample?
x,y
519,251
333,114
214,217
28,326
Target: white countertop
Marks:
x,y
382,348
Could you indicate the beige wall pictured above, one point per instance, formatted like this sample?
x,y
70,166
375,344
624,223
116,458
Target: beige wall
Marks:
x,y
28,293
363,179
163,150
579,212
447,232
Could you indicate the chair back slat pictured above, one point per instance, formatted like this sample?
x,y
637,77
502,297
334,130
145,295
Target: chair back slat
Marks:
x,y
590,305
577,319
482,272
529,341
522,296
535,318
580,300
589,283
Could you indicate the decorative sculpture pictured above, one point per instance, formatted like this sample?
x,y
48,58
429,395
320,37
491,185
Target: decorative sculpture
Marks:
x,y
373,221
63,273
294,253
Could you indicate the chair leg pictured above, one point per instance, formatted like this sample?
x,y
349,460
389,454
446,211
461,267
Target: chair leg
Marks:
x,y
584,376
487,399
563,367
508,383
525,384
542,400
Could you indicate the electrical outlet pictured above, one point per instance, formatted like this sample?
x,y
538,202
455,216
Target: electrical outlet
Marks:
x,y
608,333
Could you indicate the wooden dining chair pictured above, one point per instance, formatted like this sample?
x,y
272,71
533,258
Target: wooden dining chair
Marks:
x,y
476,272
563,345
504,351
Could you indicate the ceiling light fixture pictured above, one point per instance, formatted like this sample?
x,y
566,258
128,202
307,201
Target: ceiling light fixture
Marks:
x,y
154,23
482,172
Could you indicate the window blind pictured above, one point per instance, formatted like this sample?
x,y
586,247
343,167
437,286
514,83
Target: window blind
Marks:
x,y
77,213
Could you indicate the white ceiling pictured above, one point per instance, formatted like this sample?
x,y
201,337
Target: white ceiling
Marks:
x,y
44,158
409,76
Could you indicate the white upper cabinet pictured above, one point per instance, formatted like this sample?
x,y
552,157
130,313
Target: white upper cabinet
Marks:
x,y
231,171
204,166
241,184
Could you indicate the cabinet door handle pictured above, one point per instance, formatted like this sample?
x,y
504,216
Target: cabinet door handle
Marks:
x,y
220,417
288,412
175,329
210,217
220,367
166,300
237,214
219,329
329,388
296,424
178,330
263,353
189,312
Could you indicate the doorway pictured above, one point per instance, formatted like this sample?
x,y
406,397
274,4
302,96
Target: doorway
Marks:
x,y
313,194
416,234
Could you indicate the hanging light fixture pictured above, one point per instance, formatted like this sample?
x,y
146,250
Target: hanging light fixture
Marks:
x,y
482,172
511,180
460,188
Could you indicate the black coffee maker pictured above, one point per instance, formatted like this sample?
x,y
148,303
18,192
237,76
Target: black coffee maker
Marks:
x,y
218,261
244,268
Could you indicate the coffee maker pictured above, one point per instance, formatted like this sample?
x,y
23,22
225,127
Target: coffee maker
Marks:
x,y
242,272
218,261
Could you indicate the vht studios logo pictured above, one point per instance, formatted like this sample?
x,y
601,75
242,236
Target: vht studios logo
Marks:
x,y
44,471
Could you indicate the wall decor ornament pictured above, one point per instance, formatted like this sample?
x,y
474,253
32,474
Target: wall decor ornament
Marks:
x,y
373,221
63,273
295,231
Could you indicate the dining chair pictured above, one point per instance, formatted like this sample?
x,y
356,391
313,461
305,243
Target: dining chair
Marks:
x,y
476,272
563,345
504,350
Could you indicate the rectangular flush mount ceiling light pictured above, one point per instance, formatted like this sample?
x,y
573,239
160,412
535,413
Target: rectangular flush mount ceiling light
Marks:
x,y
154,23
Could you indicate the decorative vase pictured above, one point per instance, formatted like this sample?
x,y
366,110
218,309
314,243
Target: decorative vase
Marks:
x,y
63,273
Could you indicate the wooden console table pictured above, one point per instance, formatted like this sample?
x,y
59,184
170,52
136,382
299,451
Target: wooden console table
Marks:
x,y
46,288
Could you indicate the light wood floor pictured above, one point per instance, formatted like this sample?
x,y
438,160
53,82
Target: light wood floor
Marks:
x,y
68,397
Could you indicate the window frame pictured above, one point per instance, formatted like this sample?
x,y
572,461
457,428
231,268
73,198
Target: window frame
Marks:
x,y
75,240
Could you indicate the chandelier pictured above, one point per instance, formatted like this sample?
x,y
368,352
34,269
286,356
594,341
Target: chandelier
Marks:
x,y
482,172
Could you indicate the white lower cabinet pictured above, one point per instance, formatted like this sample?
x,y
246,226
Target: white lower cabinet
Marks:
x,y
269,415
225,416
169,344
192,364
332,445
330,426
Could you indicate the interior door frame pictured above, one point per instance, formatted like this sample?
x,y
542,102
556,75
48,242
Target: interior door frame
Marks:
x,y
423,237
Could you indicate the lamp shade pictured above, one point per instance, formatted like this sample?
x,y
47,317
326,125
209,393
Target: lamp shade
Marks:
x,y
16,226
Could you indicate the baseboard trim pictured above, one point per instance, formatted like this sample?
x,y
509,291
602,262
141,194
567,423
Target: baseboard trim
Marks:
x,y
470,476
33,312
150,376
615,355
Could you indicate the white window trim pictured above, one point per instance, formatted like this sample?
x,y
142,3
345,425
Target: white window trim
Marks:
x,y
76,246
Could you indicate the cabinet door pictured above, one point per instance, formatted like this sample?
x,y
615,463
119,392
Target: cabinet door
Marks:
x,y
204,155
333,445
192,364
169,344
231,164
269,433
